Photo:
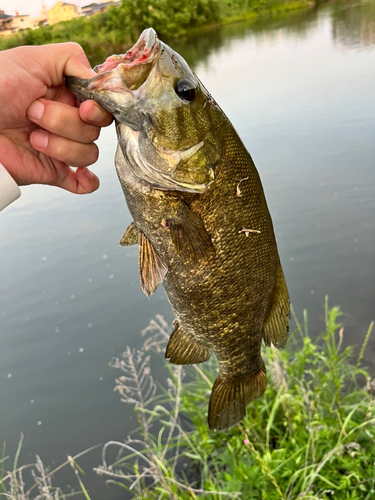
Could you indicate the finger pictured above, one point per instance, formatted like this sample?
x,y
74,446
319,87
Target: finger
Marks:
x,y
62,120
71,152
80,181
63,59
76,62
91,112
60,94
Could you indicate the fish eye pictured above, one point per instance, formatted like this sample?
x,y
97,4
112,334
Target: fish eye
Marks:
x,y
185,89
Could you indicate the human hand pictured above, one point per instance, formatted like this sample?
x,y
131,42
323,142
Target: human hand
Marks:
x,y
42,131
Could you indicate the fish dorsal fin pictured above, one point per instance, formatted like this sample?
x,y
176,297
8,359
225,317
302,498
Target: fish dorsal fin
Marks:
x,y
152,269
189,235
229,398
276,325
130,237
184,350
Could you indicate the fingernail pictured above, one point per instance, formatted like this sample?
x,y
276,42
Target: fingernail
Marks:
x,y
35,110
40,139
96,114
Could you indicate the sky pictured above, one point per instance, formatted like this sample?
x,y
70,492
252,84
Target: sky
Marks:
x,y
32,7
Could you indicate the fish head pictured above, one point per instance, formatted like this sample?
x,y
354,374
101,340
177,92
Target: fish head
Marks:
x,y
164,115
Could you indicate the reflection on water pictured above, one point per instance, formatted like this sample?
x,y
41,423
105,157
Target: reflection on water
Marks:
x,y
300,91
353,27
199,48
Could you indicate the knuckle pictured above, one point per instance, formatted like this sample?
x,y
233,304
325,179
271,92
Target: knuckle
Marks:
x,y
91,133
75,154
61,148
56,120
94,154
53,121
74,47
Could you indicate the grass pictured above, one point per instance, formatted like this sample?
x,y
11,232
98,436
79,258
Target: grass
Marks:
x,y
310,437
13,486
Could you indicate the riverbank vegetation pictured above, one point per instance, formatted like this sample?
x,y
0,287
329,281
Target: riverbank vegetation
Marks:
x,y
117,28
311,436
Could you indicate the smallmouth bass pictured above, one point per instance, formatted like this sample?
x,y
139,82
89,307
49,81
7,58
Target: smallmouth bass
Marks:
x,y
200,219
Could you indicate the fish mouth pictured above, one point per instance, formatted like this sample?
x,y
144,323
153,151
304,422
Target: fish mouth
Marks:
x,y
144,50
119,76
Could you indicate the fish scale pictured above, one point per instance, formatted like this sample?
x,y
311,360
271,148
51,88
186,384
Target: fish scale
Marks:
x,y
203,227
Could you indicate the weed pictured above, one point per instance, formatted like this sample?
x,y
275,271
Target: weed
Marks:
x,y
311,435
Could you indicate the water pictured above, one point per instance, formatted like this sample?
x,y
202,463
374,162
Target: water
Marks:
x,y
300,91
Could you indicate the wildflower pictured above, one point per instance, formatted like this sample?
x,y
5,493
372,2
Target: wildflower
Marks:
x,y
246,441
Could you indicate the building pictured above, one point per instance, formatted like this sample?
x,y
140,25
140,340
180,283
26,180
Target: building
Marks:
x,y
92,9
11,24
96,8
3,19
63,12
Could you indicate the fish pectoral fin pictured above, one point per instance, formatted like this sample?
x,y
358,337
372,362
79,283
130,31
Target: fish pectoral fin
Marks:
x,y
183,350
189,235
152,269
230,397
276,326
130,237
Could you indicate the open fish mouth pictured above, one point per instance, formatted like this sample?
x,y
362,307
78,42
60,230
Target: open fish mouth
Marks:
x,y
119,76
142,52
133,67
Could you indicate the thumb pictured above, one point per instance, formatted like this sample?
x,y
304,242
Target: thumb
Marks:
x,y
65,59
75,61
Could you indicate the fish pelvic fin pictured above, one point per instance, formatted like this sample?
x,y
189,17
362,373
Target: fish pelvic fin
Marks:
x,y
130,237
230,398
189,236
276,326
184,350
152,269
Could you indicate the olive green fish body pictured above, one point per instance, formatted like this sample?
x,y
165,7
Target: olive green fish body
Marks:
x,y
201,222
221,302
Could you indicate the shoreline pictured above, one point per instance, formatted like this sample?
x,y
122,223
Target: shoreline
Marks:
x,y
100,34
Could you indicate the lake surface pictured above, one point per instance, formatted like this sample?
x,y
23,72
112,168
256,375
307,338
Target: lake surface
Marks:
x,y
300,90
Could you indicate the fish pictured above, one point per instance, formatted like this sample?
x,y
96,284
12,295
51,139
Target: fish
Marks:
x,y
200,219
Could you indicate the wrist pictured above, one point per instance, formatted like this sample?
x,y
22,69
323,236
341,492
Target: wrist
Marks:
x,y
9,190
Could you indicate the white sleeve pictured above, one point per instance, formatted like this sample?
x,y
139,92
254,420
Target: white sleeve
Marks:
x,y
9,191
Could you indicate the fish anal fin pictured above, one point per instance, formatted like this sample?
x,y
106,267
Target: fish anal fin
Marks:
x,y
130,237
189,235
152,269
230,398
276,325
183,350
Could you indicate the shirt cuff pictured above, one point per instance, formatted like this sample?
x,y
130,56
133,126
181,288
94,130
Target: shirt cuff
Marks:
x,y
9,191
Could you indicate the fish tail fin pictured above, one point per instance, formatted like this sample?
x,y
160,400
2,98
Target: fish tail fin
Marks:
x,y
230,397
184,350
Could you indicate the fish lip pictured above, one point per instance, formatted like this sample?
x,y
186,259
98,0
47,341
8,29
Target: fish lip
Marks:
x,y
143,51
109,78
78,87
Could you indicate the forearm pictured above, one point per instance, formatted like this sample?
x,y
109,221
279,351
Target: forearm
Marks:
x,y
9,191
